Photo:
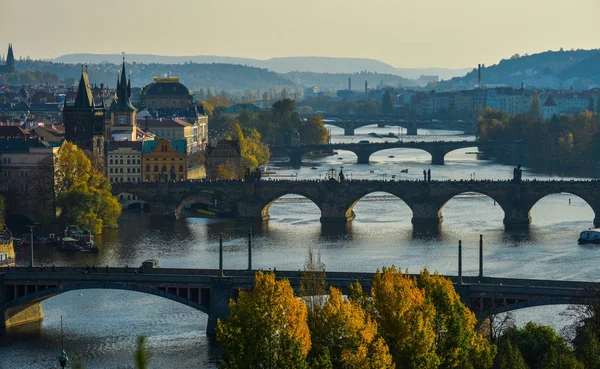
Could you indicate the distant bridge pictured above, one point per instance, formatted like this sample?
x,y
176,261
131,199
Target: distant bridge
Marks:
x,y
250,201
437,149
351,123
209,290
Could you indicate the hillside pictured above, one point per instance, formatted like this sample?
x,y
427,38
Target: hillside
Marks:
x,y
551,69
280,65
339,81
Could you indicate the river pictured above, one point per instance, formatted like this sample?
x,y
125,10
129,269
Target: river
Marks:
x,y
101,326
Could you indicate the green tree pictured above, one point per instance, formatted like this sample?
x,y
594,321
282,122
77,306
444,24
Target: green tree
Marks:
x,y
142,355
313,131
535,108
510,357
587,347
266,327
387,104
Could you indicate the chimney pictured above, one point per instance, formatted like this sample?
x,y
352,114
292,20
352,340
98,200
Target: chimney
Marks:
x,y
479,75
349,84
366,88
101,86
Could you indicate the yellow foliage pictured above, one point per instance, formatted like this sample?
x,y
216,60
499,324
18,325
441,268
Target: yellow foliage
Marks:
x,y
266,327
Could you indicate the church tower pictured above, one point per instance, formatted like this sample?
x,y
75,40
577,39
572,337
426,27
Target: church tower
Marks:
x,y
84,121
10,59
123,113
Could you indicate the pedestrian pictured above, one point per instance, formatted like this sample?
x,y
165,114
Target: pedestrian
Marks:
x,y
424,175
428,175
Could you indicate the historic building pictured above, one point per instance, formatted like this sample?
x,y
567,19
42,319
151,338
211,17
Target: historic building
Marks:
x,y
123,125
164,160
225,152
167,98
10,62
172,129
124,161
84,121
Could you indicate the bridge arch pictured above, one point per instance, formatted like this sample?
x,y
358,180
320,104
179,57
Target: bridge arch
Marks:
x,y
266,205
416,154
404,207
156,291
495,202
583,201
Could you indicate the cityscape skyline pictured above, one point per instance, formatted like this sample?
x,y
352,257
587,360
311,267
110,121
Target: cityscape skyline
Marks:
x,y
450,35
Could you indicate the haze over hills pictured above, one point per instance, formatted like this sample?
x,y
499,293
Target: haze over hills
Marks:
x,y
579,69
280,65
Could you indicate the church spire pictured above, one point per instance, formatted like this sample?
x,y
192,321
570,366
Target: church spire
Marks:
x,y
10,57
84,99
123,91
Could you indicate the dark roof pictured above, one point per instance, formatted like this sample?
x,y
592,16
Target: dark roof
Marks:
x,y
84,99
164,123
166,88
149,145
13,132
123,93
53,107
550,101
135,145
18,145
235,144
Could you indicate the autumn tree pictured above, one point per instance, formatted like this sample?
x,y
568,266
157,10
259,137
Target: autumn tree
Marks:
x,y
313,131
405,319
83,194
350,335
457,344
142,356
266,327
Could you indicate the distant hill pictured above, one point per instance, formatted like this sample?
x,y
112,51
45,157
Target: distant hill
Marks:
x,y
550,69
280,65
339,81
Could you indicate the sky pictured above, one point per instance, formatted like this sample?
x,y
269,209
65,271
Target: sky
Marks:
x,y
403,33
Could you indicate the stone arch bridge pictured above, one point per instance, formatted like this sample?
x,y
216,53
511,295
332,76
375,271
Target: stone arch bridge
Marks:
x,y
250,201
209,290
350,124
437,149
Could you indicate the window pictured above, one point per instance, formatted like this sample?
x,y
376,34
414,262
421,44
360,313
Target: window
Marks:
x,y
139,162
128,161
181,168
129,180
139,170
121,161
164,168
110,170
110,161
121,170
147,168
156,168
128,170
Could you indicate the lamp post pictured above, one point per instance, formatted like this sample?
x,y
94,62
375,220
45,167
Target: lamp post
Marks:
x,y
31,246
63,359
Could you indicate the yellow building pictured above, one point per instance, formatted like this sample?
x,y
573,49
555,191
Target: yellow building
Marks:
x,y
171,129
164,159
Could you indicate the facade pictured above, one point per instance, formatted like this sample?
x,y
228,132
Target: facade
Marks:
x,y
25,183
549,108
123,125
225,152
10,62
124,161
164,160
172,129
84,120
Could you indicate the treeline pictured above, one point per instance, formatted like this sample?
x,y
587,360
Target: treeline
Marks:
x,y
30,78
560,140
404,323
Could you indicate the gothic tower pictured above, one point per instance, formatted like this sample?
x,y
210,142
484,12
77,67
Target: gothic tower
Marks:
x,y
10,62
123,113
84,121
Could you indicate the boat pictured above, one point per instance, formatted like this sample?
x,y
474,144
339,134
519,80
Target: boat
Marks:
x,y
589,236
340,158
371,171
206,213
83,236
391,156
404,171
314,168
393,176
69,244
373,134
392,135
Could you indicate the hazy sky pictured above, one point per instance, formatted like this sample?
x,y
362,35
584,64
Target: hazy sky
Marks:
x,y
404,33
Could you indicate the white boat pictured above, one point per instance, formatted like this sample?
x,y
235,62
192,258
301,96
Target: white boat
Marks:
x,y
589,236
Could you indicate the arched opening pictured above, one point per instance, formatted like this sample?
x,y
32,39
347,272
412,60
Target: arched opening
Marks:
x,y
206,204
562,212
292,208
340,157
472,212
401,155
381,208
18,223
466,154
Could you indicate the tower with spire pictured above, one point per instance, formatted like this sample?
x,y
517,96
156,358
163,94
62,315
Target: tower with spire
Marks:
x,y
10,62
123,113
84,120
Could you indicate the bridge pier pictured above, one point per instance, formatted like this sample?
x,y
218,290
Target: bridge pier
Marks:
x,y
597,221
348,131
252,211
333,212
363,157
160,209
295,158
221,291
380,125
426,214
411,130
516,217
437,157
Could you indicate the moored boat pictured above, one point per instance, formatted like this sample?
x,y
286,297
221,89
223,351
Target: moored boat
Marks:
x,y
589,236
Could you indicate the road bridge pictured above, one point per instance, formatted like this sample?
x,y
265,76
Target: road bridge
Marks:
x,y
209,290
250,200
351,123
363,151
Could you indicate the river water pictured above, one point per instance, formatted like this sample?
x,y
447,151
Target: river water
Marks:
x,y
101,326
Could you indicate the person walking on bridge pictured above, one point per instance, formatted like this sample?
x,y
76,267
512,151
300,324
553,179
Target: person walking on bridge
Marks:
x,y
428,175
424,175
